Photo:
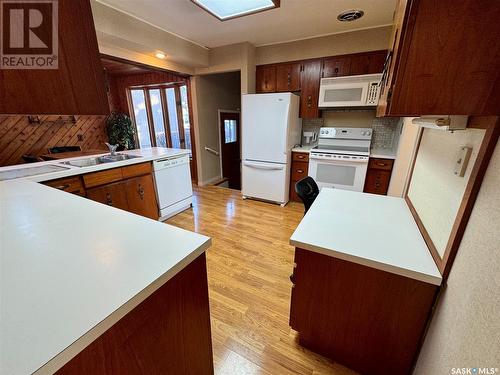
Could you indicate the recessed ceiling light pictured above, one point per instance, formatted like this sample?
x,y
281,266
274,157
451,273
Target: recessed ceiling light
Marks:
x,y
160,55
227,9
350,15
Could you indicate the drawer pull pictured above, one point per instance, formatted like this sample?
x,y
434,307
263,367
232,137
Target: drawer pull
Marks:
x,y
300,171
300,156
381,164
62,187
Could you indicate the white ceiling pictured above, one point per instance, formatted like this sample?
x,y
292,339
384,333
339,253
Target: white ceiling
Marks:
x,y
294,19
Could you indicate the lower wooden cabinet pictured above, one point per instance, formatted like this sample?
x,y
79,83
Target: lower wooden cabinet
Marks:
x,y
300,169
141,196
113,195
134,192
369,320
128,188
378,176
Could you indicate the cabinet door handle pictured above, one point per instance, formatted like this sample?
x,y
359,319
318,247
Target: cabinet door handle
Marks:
x,y
62,187
109,199
309,101
140,190
336,70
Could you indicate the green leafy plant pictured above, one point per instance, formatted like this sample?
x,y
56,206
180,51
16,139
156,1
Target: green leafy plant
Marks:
x,y
121,131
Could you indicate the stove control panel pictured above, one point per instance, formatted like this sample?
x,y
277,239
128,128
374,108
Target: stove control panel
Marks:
x,y
346,133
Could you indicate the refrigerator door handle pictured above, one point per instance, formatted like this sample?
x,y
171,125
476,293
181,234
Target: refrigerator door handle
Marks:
x,y
261,166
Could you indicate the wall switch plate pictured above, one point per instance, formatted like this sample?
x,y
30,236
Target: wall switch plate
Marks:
x,y
462,160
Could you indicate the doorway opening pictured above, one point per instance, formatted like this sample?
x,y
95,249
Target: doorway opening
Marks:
x,y
230,149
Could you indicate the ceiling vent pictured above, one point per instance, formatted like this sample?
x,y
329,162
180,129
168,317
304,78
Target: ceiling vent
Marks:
x,y
350,15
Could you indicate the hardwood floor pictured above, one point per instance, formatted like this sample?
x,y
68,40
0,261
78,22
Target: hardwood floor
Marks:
x,y
249,265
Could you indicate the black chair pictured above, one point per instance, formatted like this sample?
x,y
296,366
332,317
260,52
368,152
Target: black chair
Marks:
x,y
58,149
307,190
31,158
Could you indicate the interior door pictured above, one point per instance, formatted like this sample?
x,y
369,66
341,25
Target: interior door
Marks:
x,y
230,148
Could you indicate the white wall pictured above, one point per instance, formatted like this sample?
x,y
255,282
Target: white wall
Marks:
x,y
331,45
465,330
210,93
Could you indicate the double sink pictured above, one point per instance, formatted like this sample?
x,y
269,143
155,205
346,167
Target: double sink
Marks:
x,y
87,162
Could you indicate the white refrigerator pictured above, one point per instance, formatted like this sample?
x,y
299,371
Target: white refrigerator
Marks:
x,y
270,127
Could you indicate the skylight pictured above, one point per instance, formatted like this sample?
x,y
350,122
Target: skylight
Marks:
x,y
227,9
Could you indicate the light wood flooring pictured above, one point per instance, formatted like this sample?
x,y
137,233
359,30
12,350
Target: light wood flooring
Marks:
x,y
249,265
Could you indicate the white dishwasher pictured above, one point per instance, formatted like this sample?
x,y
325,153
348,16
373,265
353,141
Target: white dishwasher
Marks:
x,y
173,185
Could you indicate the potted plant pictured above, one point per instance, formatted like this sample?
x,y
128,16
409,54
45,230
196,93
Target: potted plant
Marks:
x,y
121,131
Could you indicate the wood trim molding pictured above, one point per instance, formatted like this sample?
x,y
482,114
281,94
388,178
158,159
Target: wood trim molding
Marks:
x,y
444,264
141,65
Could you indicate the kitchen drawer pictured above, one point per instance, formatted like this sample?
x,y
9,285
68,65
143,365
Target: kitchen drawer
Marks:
x,y
136,170
299,170
377,181
103,177
300,156
70,184
376,163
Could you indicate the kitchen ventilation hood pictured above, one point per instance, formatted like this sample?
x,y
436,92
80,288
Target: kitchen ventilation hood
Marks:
x,y
449,123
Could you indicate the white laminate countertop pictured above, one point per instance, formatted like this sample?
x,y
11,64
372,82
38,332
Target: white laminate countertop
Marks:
x,y
70,268
372,230
146,155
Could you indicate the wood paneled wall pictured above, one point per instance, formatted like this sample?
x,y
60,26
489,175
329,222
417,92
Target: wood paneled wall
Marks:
x,y
118,85
19,137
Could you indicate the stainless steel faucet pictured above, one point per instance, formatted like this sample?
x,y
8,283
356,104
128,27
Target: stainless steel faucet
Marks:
x,y
112,148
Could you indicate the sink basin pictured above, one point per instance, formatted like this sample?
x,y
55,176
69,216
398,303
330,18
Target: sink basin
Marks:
x,y
87,162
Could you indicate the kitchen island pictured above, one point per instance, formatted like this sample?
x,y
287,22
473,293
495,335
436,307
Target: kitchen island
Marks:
x,y
363,287
89,289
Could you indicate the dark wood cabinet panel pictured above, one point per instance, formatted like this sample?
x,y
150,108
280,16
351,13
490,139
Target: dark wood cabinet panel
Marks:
x,y
366,319
378,176
300,169
368,63
443,62
168,333
336,66
265,79
309,84
288,77
76,87
141,196
72,185
113,195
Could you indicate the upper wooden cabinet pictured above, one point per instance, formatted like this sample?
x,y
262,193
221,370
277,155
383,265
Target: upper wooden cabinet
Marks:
x,y
76,87
336,66
443,60
305,76
288,77
266,79
309,84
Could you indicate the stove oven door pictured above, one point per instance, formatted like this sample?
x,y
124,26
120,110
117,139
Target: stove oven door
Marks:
x,y
348,174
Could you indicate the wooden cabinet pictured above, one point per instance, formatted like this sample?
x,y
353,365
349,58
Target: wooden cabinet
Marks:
x,y
368,63
288,77
309,85
378,176
72,185
305,76
128,188
369,320
113,195
265,79
300,169
76,87
336,67
141,196
442,62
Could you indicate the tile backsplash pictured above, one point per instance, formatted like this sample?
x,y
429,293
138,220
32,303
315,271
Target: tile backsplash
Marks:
x,y
385,130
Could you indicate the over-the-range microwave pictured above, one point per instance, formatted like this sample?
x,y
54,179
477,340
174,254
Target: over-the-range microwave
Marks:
x,y
350,91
